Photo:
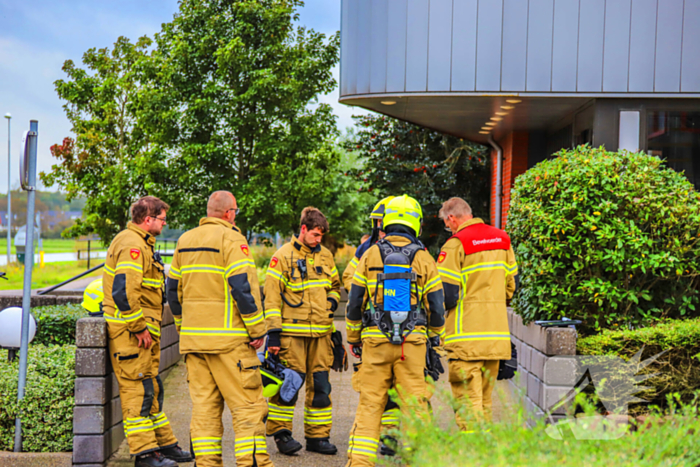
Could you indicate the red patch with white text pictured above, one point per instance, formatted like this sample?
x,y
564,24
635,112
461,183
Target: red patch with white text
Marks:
x,y
273,262
135,253
244,248
442,256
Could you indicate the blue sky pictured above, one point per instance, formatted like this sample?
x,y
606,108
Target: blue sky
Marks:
x,y
37,37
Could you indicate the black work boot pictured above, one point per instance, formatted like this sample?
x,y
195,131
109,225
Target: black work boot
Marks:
x,y
154,459
388,446
286,444
321,446
176,454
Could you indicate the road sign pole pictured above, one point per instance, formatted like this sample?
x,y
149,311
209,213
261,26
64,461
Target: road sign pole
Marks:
x,y
30,187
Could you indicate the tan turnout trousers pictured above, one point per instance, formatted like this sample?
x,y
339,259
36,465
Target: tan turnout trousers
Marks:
x,y
141,390
382,367
233,378
311,357
472,384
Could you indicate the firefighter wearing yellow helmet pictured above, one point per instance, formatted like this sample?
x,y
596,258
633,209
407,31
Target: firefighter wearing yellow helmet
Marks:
x,y
376,218
92,298
390,328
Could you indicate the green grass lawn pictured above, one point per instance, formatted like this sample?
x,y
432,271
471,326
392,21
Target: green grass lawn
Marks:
x,y
51,245
51,274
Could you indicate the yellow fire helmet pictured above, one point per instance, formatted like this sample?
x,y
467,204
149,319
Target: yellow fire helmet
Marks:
x,y
378,211
93,296
404,210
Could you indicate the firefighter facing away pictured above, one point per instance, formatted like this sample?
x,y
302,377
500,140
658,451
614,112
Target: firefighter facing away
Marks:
x,y
133,308
395,305
302,291
478,269
215,298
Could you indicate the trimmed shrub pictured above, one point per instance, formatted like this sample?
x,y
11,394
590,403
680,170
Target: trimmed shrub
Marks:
x,y
56,324
677,369
47,407
607,238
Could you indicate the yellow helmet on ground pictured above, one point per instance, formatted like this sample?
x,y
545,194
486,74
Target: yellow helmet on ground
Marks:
x,y
378,211
93,296
404,210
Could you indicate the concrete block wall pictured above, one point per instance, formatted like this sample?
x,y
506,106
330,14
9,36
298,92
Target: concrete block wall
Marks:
x,y
14,298
97,417
544,373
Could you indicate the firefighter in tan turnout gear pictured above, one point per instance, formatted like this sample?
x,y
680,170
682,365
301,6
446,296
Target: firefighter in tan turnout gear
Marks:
x,y
478,269
395,305
302,291
133,308
215,298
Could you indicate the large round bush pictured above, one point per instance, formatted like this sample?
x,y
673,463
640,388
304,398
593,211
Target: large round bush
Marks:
x,y
608,238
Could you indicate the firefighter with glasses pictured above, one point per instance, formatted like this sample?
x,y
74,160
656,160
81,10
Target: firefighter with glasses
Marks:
x,y
395,305
215,297
133,308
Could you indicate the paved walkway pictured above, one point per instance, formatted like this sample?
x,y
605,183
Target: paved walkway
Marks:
x,y
178,407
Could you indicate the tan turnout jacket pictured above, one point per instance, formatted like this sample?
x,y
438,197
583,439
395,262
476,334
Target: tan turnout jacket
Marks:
x,y
318,293
213,289
364,283
477,283
133,282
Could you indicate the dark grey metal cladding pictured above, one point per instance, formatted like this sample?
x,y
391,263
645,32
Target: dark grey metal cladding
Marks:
x,y
539,45
439,45
464,27
617,45
561,46
514,56
488,46
418,17
565,47
591,27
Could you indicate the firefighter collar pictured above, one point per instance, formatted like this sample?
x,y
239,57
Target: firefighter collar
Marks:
x,y
472,221
303,248
216,220
148,238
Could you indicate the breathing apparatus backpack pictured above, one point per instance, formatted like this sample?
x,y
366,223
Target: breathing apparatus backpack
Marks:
x,y
395,317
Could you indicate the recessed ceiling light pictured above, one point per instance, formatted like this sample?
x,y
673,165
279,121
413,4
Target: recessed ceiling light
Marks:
x,y
483,132
491,123
513,101
502,113
486,128
496,119
388,102
507,107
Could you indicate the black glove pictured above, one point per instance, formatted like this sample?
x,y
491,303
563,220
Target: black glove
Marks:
x,y
273,339
507,368
340,356
433,365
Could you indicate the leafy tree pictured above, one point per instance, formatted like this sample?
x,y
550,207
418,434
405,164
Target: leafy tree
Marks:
x,y
402,158
231,104
108,162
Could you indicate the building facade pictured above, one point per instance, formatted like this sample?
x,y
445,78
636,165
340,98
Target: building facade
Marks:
x,y
530,77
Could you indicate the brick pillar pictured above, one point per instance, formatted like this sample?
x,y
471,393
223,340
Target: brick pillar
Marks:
x,y
515,154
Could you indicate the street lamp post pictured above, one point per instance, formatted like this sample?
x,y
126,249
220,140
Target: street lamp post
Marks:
x,y
9,191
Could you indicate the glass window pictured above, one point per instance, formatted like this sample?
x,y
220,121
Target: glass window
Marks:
x,y
675,137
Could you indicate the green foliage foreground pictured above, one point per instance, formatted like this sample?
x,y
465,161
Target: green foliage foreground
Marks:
x,y
56,323
47,407
665,440
677,369
608,238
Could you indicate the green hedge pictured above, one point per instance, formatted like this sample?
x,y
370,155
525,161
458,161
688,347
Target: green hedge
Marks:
x,y
608,238
47,408
56,324
678,368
